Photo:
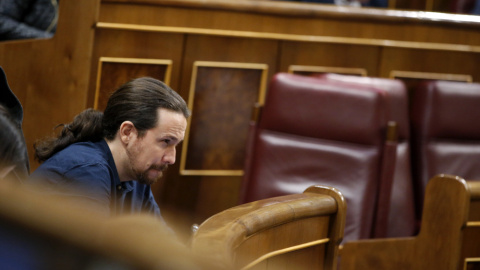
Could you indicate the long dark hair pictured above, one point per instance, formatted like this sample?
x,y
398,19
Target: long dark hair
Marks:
x,y
137,101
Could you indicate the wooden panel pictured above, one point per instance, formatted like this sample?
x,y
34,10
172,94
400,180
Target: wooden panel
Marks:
x,y
471,247
412,79
136,45
276,233
222,95
398,74
227,49
297,18
471,264
316,70
269,241
429,61
113,72
470,253
438,244
349,57
474,210
215,194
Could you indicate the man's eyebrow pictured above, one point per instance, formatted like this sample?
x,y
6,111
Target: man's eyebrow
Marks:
x,y
173,138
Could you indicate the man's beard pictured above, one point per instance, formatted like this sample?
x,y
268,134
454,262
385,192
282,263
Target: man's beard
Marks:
x,y
142,176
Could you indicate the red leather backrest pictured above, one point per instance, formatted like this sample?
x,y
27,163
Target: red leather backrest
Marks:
x,y
446,132
394,92
314,131
447,110
401,220
318,108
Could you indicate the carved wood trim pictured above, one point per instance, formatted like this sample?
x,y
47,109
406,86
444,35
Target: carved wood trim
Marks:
x,y
99,96
262,68
295,69
290,37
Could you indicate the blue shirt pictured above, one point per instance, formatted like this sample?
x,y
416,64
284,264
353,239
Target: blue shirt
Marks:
x,y
86,171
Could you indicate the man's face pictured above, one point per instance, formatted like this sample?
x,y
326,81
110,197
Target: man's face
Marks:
x,y
151,154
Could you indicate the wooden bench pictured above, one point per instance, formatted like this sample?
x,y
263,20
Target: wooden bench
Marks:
x,y
439,242
470,254
298,231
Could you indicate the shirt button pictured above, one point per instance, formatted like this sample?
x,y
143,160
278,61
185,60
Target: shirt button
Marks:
x,y
119,187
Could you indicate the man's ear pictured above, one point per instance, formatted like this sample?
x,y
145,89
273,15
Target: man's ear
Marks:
x,y
127,131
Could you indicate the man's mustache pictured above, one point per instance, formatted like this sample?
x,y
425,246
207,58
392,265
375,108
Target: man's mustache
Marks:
x,y
159,167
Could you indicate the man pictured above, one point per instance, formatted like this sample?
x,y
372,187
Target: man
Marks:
x,y
109,160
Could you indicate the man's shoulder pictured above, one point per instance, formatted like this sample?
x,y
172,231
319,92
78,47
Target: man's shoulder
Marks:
x,y
86,160
79,154
85,148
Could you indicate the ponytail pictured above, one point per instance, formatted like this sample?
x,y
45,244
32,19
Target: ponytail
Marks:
x,y
86,126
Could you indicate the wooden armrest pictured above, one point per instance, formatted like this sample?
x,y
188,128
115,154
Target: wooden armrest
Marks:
x,y
251,233
438,244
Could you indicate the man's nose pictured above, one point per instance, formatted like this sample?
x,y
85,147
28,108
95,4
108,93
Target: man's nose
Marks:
x,y
169,156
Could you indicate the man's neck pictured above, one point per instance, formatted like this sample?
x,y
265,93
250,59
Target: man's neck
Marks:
x,y
119,157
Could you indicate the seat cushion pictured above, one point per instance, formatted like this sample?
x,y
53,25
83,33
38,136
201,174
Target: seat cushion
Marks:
x,y
287,164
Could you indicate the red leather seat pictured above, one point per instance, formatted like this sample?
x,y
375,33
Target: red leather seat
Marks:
x,y
396,199
446,132
316,131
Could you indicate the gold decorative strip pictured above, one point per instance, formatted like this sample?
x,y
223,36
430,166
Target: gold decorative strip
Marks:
x,y
473,224
319,69
285,250
183,171
147,61
290,37
191,98
431,76
470,261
